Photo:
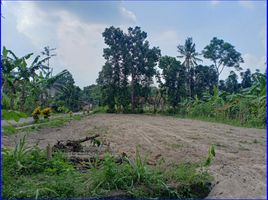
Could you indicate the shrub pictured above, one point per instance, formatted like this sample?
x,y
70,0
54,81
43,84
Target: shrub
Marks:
x,y
63,109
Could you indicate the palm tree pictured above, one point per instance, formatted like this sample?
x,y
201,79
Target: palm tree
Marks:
x,y
188,52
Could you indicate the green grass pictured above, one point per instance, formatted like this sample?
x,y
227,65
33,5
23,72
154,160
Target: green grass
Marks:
x,y
44,123
232,122
27,173
8,130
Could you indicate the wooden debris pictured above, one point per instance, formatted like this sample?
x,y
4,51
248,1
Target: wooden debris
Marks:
x,y
73,145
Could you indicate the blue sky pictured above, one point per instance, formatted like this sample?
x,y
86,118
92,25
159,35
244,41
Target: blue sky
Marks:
x,y
75,27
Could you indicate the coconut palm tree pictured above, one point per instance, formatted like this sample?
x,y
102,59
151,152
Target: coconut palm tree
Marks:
x,y
189,54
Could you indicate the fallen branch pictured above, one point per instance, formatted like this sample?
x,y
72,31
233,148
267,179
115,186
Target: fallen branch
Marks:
x,y
73,145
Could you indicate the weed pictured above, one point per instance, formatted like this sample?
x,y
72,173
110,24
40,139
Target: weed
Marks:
x,y
8,129
35,176
255,141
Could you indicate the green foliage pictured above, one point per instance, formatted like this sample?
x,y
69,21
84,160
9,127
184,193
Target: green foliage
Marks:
x,y
13,115
27,173
8,129
128,55
62,109
173,73
211,156
27,85
222,54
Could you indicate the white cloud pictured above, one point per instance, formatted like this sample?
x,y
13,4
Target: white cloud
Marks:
x,y
32,22
80,47
129,15
79,44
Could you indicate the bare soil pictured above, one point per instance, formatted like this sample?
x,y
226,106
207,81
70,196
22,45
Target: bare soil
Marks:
x,y
239,167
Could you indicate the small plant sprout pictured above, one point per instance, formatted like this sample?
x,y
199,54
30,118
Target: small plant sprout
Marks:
x,y
211,156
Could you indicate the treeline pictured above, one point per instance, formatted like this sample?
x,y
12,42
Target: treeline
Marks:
x,y
136,75
136,78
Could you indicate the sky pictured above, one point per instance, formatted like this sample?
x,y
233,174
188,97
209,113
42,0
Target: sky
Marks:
x,y
75,29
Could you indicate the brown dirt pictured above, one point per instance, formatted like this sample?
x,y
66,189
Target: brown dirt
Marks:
x,y
239,167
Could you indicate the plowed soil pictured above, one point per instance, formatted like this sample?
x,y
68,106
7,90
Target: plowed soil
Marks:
x,y
238,169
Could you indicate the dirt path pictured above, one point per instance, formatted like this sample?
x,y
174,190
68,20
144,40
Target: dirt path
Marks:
x,y
239,168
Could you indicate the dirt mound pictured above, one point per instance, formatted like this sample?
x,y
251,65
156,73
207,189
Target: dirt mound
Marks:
x,y
239,167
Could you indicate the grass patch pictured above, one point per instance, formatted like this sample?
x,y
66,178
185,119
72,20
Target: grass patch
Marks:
x,y
44,123
27,173
231,122
8,130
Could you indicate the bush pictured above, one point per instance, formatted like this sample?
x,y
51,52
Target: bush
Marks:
x,y
63,109
13,115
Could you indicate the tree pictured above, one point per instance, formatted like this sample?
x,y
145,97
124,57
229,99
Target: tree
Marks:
x,y
66,91
205,79
231,82
222,54
92,94
246,79
113,77
16,74
189,54
106,82
47,52
128,57
173,74
222,86
141,63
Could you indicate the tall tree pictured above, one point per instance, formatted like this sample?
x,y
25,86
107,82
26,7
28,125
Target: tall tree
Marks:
x,y
173,76
222,54
246,79
48,52
142,61
205,79
231,82
128,57
189,54
115,69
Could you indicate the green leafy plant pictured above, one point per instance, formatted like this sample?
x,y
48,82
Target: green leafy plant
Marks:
x,y
211,156
13,115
